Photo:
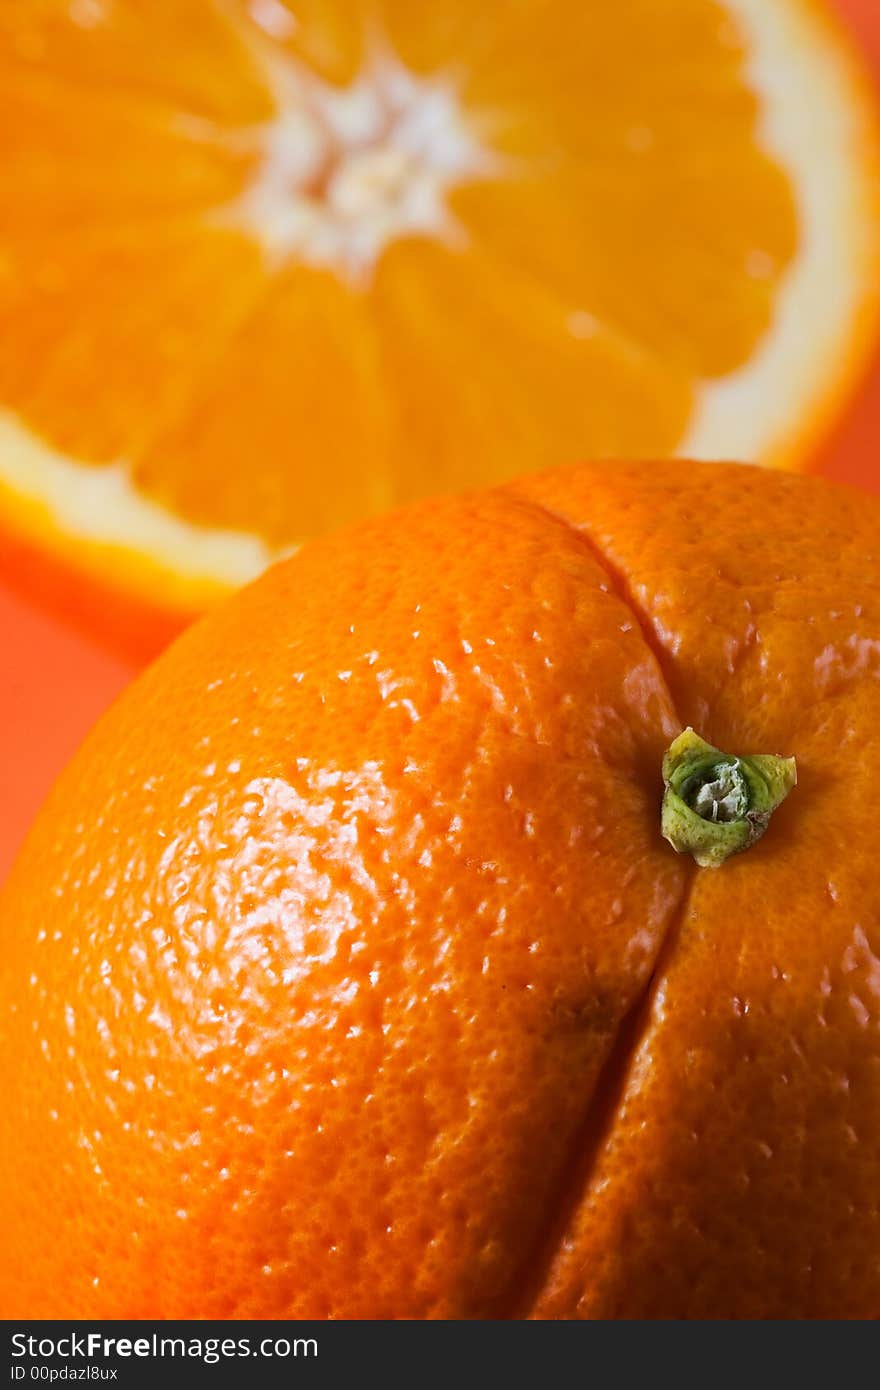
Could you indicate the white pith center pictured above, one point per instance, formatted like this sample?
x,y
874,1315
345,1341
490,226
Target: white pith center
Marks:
x,y
341,172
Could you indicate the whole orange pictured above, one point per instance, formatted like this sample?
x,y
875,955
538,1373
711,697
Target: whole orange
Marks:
x,y
346,972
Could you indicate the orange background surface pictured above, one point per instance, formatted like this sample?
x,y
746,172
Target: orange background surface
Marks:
x,y
54,681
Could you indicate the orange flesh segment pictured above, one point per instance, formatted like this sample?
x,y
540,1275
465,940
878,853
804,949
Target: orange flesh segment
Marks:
x,y
143,333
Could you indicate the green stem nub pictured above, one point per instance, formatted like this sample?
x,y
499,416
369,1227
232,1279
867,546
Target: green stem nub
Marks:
x,y
715,804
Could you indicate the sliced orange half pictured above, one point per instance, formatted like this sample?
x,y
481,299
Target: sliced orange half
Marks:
x,y
269,265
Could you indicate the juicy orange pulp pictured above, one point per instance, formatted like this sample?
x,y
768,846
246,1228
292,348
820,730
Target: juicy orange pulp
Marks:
x,y
268,267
